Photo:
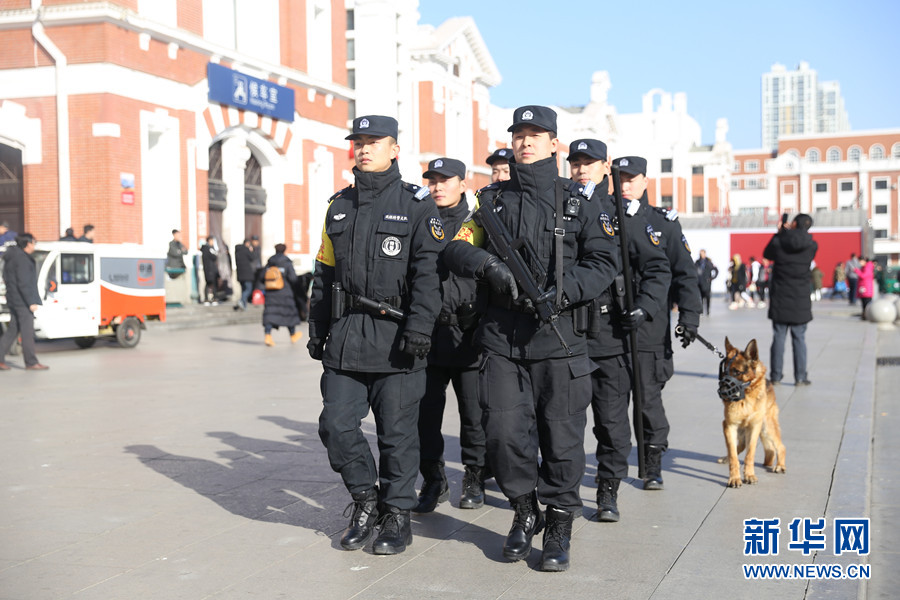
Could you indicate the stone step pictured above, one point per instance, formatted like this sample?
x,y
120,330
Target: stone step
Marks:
x,y
197,315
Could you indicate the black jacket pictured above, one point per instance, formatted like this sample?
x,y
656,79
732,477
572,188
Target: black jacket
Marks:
x,y
706,272
792,251
527,206
651,278
20,277
243,263
281,309
382,239
451,344
175,255
210,264
684,290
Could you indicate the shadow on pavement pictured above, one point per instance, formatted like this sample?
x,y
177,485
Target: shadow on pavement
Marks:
x,y
292,483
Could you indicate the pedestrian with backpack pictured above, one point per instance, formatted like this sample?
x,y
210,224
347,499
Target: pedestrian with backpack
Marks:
x,y
279,279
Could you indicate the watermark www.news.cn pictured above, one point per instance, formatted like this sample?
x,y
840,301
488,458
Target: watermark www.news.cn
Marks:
x,y
848,536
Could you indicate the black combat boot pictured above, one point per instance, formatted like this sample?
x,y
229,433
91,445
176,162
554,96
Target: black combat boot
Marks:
x,y
472,488
396,533
434,488
557,538
362,521
527,521
607,493
653,479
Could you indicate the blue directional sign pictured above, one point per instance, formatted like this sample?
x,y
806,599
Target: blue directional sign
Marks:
x,y
240,90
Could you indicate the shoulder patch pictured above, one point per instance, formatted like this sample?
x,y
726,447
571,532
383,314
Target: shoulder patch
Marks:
x,y
340,193
436,228
685,242
607,225
652,235
419,192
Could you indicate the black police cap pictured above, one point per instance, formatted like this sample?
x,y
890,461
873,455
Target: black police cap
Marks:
x,y
633,165
588,147
505,154
539,116
374,125
448,167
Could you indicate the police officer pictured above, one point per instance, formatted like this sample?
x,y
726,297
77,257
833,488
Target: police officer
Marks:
x,y
453,358
607,335
499,163
654,337
534,392
373,307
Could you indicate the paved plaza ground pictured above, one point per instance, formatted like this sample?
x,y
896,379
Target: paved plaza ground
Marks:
x,y
190,468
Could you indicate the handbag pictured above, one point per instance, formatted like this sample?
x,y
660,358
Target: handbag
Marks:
x,y
258,297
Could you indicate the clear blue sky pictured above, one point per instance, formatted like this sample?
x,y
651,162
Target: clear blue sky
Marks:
x,y
715,51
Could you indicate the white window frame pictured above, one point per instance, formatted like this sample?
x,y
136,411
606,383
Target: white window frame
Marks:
x,y
851,150
830,152
751,166
812,155
876,148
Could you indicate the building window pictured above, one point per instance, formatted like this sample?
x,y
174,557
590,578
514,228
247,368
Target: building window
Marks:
x,y
752,184
737,165
812,155
881,234
846,186
351,18
351,49
697,204
854,153
876,152
666,202
752,166
665,165
697,170
881,184
735,184
895,151
821,186
881,209
834,155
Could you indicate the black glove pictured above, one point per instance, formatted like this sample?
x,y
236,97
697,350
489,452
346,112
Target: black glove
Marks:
x,y
550,296
687,333
497,274
415,344
634,319
316,347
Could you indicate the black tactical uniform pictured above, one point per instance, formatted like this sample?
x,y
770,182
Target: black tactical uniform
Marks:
x,y
453,359
609,348
654,337
534,394
381,242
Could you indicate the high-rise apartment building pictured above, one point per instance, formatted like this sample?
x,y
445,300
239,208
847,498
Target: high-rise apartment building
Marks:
x,y
797,103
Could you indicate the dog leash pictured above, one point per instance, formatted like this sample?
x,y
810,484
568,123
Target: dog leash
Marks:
x,y
679,329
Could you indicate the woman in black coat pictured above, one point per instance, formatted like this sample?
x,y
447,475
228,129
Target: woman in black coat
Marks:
x,y
281,307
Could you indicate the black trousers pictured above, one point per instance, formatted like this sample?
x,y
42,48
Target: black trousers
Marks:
x,y
612,385
394,399
431,416
21,322
531,407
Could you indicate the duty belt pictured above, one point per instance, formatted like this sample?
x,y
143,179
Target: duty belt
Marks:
x,y
448,318
507,303
355,302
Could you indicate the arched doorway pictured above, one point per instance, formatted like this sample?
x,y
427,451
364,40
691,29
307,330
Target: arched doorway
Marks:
x,y
12,192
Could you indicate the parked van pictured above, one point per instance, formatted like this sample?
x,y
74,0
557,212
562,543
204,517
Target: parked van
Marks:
x,y
92,290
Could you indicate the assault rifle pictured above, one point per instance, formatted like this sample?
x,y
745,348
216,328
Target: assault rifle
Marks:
x,y
510,251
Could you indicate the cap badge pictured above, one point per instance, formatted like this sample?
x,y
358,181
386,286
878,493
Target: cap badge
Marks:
x,y
582,146
438,164
527,115
623,162
502,153
364,124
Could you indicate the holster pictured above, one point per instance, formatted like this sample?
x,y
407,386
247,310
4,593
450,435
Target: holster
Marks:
x,y
580,319
467,315
337,301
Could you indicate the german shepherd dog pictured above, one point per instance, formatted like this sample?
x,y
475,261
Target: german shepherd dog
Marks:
x,y
750,413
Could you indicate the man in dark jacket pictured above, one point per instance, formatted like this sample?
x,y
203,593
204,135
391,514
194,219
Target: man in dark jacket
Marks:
x,y
453,358
210,258
706,272
246,273
535,389
23,299
175,255
374,302
792,250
